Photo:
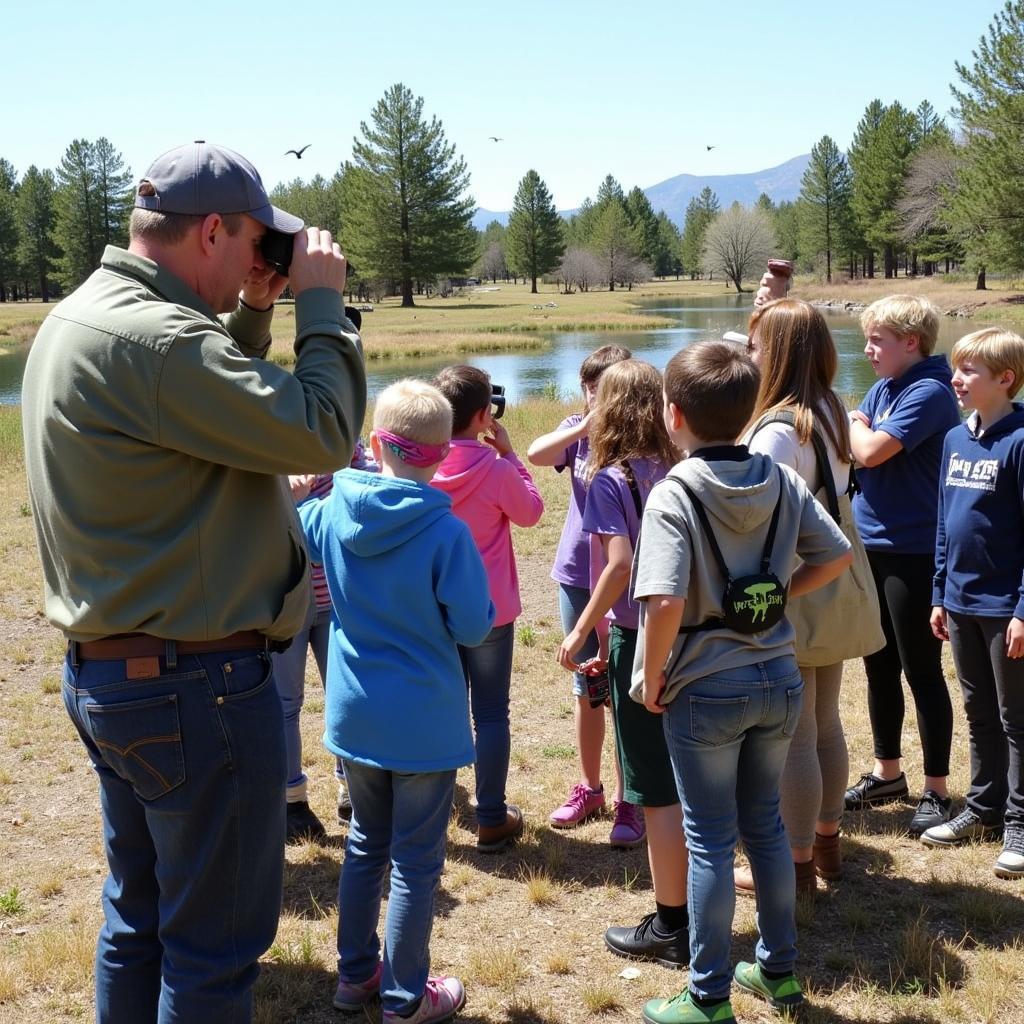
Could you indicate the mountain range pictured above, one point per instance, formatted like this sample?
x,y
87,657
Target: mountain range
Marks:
x,y
674,194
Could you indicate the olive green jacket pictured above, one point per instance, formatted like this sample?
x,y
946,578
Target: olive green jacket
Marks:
x,y
157,437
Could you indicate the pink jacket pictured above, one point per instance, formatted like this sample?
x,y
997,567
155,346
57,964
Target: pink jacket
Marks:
x,y
488,493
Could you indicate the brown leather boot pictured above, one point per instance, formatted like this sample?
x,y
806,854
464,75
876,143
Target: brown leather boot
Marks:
x,y
828,857
806,879
494,838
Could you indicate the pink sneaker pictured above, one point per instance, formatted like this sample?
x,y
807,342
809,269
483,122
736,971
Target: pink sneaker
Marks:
x,y
354,995
583,802
443,998
629,828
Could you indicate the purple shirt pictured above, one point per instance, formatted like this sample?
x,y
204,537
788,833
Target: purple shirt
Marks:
x,y
611,512
572,559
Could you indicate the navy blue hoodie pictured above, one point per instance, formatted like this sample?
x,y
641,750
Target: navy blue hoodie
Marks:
x,y
896,507
979,545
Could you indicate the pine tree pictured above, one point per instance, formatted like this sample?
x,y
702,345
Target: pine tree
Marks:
x,y
114,193
700,212
641,217
317,202
990,200
668,254
825,191
36,216
533,242
405,204
8,229
613,242
609,191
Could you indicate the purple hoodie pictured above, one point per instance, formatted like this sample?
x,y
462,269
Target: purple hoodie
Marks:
x,y
488,493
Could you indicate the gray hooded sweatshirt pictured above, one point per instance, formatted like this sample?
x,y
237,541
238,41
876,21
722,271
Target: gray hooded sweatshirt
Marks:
x,y
739,491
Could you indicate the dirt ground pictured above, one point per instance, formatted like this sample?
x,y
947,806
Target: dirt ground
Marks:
x,y
908,935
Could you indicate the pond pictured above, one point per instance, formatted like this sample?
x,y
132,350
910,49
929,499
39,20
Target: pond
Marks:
x,y
556,364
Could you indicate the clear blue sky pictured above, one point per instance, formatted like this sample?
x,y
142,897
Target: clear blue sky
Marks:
x,y
576,89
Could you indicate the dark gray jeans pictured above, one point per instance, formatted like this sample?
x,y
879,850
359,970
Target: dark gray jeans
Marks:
x,y
993,690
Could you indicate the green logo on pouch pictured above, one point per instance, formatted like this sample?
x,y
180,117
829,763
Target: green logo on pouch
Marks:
x,y
762,597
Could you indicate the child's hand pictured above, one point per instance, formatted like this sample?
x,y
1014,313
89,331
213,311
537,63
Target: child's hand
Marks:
x,y
497,437
653,689
938,623
857,416
567,652
301,485
1015,639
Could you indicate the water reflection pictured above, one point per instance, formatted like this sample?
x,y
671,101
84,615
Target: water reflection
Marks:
x,y
556,365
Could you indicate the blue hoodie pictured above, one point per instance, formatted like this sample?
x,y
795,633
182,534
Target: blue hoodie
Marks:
x,y
979,545
407,584
896,507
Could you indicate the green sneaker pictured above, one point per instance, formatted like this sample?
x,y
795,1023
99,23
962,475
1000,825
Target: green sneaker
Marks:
x,y
784,994
681,1009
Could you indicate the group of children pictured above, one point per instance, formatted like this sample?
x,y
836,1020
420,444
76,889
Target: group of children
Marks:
x,y
674,569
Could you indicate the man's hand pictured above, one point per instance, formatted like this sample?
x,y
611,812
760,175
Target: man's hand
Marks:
x,y
497,437
938,623
654,687
261,290
317,262
1015,639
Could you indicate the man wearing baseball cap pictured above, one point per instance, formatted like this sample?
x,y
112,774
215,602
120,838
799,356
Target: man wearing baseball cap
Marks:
x,y
157,436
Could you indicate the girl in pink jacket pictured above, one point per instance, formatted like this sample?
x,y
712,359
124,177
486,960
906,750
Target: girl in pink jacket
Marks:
x,y
490,489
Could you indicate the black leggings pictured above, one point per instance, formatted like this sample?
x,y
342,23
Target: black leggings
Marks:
x,y
904,584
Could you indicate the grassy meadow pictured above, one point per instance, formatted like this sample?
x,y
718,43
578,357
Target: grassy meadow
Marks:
x,y
908,935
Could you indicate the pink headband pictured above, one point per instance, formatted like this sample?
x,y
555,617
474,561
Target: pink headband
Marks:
x,y
415,453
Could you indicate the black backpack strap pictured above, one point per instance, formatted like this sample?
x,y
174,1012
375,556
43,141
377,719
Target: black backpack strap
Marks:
x,y
638,504
773,526
702,518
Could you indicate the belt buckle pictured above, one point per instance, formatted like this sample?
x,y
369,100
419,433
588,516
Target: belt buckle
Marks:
x,y
142,668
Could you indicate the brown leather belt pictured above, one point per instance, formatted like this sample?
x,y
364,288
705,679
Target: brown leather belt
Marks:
x,y
141,645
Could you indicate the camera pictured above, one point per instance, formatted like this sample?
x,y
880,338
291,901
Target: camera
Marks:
x,y
277,248
498,400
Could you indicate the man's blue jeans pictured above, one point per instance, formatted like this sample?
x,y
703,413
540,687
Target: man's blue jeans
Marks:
x,y
401,819
191,766
488,671
728,736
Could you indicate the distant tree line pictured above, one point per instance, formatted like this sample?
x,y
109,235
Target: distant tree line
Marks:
x,y
908,196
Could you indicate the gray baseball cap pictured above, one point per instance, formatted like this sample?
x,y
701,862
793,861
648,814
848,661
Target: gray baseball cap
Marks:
x,y
201,178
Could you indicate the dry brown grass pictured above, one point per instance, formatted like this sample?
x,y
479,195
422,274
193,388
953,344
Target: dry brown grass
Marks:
x,y
908,935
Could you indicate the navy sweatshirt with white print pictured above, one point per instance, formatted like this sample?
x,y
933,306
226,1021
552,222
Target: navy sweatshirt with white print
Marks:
x,y
979,543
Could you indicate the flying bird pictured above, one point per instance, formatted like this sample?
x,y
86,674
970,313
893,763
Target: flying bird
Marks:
x,y
494,138
298,152
709,148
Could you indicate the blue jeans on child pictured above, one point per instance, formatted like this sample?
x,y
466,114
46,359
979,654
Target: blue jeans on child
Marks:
x,y
571,602
488,671
191,772
728,735
399,818
290,674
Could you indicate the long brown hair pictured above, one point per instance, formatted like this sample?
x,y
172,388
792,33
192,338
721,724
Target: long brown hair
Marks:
x,y
628,421
798,365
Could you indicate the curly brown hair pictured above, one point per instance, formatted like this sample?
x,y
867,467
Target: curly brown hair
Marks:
x,y
628,422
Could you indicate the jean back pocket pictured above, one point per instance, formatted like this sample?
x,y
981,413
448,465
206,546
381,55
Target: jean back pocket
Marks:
x,y
141,741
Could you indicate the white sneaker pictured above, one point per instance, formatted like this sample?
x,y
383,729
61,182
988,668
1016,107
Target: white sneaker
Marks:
x,y
1010,863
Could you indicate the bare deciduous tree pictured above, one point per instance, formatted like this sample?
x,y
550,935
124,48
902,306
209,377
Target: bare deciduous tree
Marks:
x,y
739,242
579,268
927,189
492,263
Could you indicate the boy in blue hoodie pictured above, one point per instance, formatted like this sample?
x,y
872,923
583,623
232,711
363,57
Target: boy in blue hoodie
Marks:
x,y
896,438
978,595
407,585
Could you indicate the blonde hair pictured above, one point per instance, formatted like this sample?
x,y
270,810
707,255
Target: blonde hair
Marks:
x,y
903,315
628,422
995,348
415,410
798,365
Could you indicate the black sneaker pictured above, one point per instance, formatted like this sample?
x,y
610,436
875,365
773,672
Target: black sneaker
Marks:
x,y
302,825
870,790
344,804
644,943
932,810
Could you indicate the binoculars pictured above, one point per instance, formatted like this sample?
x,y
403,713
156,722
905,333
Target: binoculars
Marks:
x,y
277,249
498,400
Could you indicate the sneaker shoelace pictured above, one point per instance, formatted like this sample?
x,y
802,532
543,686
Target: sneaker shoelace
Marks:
x,y
630,815
965,819
577,798
930,803
1013,840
